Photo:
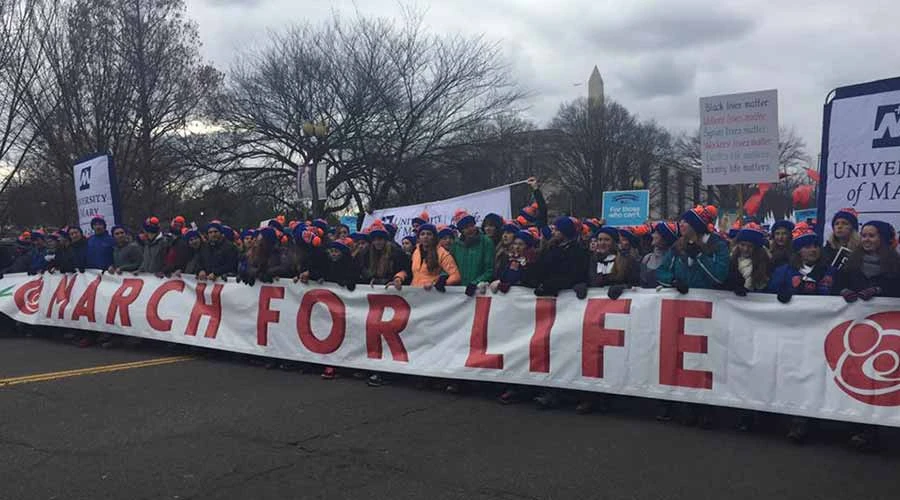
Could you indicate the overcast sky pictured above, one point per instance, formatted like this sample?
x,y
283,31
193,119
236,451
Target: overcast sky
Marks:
x,y
657,57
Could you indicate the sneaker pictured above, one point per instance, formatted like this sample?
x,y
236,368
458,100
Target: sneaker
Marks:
x,y
109,344
375,380
665,413
330,373
452,388
546,401
866,440
270,364
85,342
509,397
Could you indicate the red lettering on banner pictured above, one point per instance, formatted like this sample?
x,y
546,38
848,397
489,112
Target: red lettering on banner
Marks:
x,y
86,307
478,355
201,308
377,328
153,319
673,343
338,321
539,348
61,296
264,315
595,335
126,295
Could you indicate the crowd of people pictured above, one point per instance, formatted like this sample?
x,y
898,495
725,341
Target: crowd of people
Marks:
x,y
857,262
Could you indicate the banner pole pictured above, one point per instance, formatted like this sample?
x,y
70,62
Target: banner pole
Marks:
x,y
740,207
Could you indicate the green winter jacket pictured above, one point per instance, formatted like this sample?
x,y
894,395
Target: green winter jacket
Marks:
x,y
476,261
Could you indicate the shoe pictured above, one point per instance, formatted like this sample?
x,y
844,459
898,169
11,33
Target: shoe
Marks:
x,y
270,364
330,373
360,375
109,344
665,413
375,380
584,408
745,423
85,342
509,397
546,401
707,422
452,388
865,441
799,431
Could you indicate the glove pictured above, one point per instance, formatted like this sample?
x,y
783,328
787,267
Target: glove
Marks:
x,y
784,297
471,288
681,287
580,290
266,278
849,295
31,273
615,291
740,291
495,285
868,293
351,286
692,250
441,285
482,287
504,287
81,270
541,291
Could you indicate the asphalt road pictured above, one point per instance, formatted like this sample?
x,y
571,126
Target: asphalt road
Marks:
x,y
214,428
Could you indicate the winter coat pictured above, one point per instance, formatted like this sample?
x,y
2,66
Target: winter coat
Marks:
x,y
649,263
398,262
100,251
828,255
475,260
343,271
63,261
219,259
736,278
154,255
128,258
708,270
183,258
563,266
780,257
79,254
21,263
421,276
39,261
521,271
817,280
602,271
851,277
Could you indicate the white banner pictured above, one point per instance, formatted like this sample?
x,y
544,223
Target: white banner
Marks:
x,y
863,156
94,188
739,138
441,212
817,356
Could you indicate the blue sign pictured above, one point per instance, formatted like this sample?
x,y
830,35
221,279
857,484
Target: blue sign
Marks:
x,y
349,221
626,208
802,215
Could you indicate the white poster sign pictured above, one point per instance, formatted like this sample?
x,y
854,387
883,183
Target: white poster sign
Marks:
x,y
94,191
739,138
817,356
862,165
478,204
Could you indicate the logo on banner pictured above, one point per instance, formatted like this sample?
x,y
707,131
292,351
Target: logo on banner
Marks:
x,y
28,296
85,178
887,126
865,358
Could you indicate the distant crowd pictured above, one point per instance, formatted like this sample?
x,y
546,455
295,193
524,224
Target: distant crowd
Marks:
x,y
857,262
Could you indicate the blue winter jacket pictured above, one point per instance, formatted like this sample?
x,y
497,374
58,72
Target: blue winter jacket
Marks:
x,y
708,270
790,280
100,251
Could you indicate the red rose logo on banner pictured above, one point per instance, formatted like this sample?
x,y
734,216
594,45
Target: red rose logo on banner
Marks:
x,y
865,358
28,295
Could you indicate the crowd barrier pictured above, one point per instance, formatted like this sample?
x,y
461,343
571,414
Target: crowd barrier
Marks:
x,y
816,356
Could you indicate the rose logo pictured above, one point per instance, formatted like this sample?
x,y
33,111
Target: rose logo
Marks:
x,y
865,358
28,295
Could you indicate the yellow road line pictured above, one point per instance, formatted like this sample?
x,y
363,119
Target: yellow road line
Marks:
x,y
44,377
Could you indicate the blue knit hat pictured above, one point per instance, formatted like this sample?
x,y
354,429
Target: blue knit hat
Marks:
x,y
268,234
786,224
669,231
700,218
188,236
629,235
341,245
446,231
321,224
849,215
151,225
751,233
119,226
610,231
566,226
428,227
357,236
248,232
804,236
510,228
494,219
98,220
411,238
527,237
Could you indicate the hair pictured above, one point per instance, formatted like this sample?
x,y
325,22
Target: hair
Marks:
x,y
380,262
430,256
622,266
889,259
761,260
852,243
796,261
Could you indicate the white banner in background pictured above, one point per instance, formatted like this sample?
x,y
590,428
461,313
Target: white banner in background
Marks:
x,y
817,356
863,156
94,187
478,204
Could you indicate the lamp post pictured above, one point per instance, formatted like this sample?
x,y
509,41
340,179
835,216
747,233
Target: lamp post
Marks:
x,y
638,184
317,132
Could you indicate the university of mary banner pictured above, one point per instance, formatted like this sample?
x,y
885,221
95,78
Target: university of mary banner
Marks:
x,y
861,152
817,356
95,190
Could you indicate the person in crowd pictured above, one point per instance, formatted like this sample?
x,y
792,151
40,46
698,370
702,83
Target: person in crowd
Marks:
x,y
265,262
218,257
520,264
78,245
629,243
155,248
22,255
307,252
420,219
663,237
39,252
749,270
491,226
534,214
431,266
187,257
127,255
780,247
473,253
844,238
608,267
99,246
501,251
381,262
408,244
341,232
62,260
698,259
563,264
176,226
246,250
446,237
361,242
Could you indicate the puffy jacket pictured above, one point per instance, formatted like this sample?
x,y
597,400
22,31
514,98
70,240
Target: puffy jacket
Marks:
x,y
154,255
708,270
421,276
100,251
219,259
475,260
343,271
79,254
790,280
522,271
128,257
397,263
563,266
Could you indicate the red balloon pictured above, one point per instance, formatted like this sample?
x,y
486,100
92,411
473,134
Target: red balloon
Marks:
x,y
751,206
803,196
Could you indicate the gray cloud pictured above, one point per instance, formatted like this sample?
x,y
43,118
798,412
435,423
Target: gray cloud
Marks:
x,y
658,76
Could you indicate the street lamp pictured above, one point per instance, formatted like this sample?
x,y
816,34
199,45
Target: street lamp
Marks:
x,y
637,184
317,132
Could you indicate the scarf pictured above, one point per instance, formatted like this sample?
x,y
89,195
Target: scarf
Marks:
x,y
745,267
606,264
871,265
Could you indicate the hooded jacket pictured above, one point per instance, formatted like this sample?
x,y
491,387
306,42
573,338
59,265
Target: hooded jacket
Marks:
x,y
100,251
708,270
154,254
563,266
475,260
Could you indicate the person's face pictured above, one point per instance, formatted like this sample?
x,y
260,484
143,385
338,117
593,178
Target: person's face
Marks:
x,y
556,235
507,238
687,230
214,235
470,231
195,242
121,236
605,243
407,246
657,240
624,245
98,228
446,242
745,248
810,254
426,238
518,247
362,245
380,243
490,230
594,246
782,236
334,254
63,243
871,240
75,235
415,226
342,232
248,241
40,243
842,229
51,244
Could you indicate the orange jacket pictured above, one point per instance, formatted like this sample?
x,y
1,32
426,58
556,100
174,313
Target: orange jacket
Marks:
x,y
420,274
